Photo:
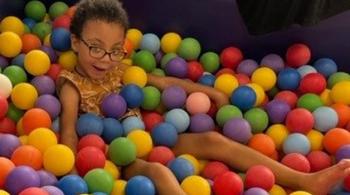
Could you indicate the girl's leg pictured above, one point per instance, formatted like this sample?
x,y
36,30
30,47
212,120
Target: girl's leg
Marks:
x,y
213,145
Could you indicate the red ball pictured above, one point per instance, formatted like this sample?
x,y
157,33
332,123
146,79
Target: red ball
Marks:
x,y
319,160
54,70
195,70
346,183
89,158
228,183
30,42
214,169
7,126
62,21
259,176
297,162
3,107
242,79
225,71
230,57
212,110
298,55
288,96
92,140
34,191
161,154
151,119
300,120
312,83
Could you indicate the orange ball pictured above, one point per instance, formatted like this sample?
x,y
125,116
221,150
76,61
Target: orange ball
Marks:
x,y
30,42
128,46
335,138
6,167
35,118
71,11
343,112
262,143
27,155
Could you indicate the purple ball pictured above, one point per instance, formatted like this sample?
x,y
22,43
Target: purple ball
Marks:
x,y
174,97
20,178
50,104
238,129
176,67
247,67
273,61
277,111
3,62
256,191
50,52
8,144
46,178
343,153
201,123
159,55
52,190
44,84
113,105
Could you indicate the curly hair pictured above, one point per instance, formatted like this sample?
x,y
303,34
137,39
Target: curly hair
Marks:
x,y
105,10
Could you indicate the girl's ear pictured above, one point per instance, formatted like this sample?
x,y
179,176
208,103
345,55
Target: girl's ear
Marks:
x,y
75,41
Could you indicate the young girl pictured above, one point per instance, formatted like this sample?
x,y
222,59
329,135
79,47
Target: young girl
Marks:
x,y
98,30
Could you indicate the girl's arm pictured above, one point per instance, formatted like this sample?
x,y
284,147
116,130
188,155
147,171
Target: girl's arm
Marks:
x,y
161,83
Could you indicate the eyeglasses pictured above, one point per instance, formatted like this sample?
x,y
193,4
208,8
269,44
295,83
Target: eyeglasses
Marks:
x,y
99,53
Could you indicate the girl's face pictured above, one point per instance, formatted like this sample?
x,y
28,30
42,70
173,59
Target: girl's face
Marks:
x,y
100,48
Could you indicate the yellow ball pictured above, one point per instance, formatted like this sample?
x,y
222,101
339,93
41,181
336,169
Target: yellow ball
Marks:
x,y
10,44
68,60
24,95
170,42
193,161
300,193
278,133
316,139
3,192
119,187
127,61
135,36
259,92
135,75
19,127
202,164
37,62
277,190
340,93
326,97
12,24
47,41
195,185
58,159
23,139
112,169
142,141
42,139
265,77
226,83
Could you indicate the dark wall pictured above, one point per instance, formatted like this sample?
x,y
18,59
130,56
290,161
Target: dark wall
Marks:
x,y
217,24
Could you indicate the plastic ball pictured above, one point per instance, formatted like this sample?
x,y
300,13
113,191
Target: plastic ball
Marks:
x,y
28,156
46,178
277,190
336,78
20,178
89,123
34,190
30,42
340,92
178,118
52,190
60,39
259,92
273,61
277,111
43,84
238,129
142,141
35,10
207,79
325,97
152,97
262,143
194,185
132,123
325,66
213,169
151,119
135,36
300,193
113,105
16,74
256,191
230,57
265,77
297,162
228,183
50,104
300,120
135,75
197,102
313,83
35,118
201,123
140,185
150,42
258,119
145,60
325,118
37,62
112,169
174,97
247,67
72,184
54,71
319,160
24,95
6,166
59,159
57,9
68,60
161,154
6,86
42,29
194,162
195,70
305,70
298,54
7,125
278,133
3,107
170,42
189,49
8,144
13,46
226,113
296,143
164,134
335,138
132,94
243,97
62,21
181,168
226,83
288,96
343,112
89,158
288,79
315,138
210,61
12,24
92,140
309,101
122,151
177,67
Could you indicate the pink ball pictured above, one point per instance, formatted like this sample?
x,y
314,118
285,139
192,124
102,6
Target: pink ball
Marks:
x,y
319,160
34,191
214,169
161,154
92,140
300,120
297,162
259,176
89,158
313,83
197,102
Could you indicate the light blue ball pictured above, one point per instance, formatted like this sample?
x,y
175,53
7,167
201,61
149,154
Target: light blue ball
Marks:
x,y
112,129
164,134
89,123
325,117
179,118
296,143
132,123
150,42
55,125
325,66
140,185
181,168
256,191
72,185
306,69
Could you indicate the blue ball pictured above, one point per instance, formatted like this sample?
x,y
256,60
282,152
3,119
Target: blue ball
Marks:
x,y
179,118
132,123
89,123
164,134
72,185
99,193
181,168
288,79
140,185
150,42
60,39
133,95
296,143
19,60
243,97
325,66
112,129
55,125
29,22
207,79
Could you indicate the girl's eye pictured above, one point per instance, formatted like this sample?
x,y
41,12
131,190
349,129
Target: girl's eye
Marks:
x,y
96,50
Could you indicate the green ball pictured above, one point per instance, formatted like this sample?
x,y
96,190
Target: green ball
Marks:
x,y
151,98
122,151
26,29
42,29
189,49
35,10
16,74
258,119
309,101
14,113
166,58
210,61
158,72
272,92
145,59
226,113
99,180
336,78
57,9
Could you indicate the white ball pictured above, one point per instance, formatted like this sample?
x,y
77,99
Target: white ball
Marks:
x,y
5,86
